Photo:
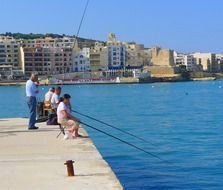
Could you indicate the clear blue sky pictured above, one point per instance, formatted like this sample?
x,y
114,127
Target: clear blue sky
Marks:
x,y
183,25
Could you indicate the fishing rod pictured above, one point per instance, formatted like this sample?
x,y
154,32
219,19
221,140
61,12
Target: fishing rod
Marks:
x,y
138,148
114,127
81,22
125,142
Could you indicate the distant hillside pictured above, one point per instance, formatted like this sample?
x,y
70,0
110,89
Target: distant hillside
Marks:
x,y
83,42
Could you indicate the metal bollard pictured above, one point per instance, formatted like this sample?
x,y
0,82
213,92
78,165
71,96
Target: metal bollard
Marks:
x,y
70,168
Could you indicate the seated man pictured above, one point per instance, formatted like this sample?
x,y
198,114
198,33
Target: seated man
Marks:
x,y
47,102
49,94
65,118
55,98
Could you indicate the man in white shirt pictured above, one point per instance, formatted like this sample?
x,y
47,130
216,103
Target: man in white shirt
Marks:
x,y
31,92
49,94
65,118
55,98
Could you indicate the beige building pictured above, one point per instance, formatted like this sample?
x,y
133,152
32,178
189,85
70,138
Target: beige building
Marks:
x,y
10,59
48,42
134,55
207,60
162,57
162,63
98,57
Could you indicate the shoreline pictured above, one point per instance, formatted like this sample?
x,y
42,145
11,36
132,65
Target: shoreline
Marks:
x,y
150,81
24,157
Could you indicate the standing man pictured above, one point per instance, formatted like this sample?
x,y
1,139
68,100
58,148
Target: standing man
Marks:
x,y
31,92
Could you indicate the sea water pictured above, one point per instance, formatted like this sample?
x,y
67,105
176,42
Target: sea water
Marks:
x,y
182,121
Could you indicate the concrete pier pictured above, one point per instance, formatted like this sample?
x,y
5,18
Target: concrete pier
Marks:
x,y
35,160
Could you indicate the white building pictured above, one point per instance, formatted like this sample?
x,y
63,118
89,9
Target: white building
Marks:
x,y
191,63
186,59
179,58
116,57
116,53
81,60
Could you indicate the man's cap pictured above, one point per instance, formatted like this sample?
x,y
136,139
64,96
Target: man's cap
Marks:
x,y
66,96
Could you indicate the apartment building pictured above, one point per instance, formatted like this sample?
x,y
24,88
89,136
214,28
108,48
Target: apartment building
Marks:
x,y
116,57
219,60
47,60
47,56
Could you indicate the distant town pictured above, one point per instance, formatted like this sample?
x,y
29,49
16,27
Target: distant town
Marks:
x,y
66,59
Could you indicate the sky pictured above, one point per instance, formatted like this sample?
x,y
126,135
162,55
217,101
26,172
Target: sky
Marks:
x,y
182,25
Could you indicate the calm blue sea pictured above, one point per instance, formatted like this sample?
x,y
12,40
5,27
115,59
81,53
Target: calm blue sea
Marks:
x,y
183,120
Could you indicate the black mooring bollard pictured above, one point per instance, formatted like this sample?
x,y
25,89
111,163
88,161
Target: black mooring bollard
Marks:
x,y
70,168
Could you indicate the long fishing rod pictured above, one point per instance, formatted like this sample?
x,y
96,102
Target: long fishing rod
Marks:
x,y
125,142
114,127
81,22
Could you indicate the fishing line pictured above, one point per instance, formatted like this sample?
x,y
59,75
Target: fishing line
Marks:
x,y
112,126
125,142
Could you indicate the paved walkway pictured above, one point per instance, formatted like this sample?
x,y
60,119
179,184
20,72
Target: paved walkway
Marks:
x,y
35,160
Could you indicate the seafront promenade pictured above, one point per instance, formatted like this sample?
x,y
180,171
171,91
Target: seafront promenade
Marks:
x,y
35,160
